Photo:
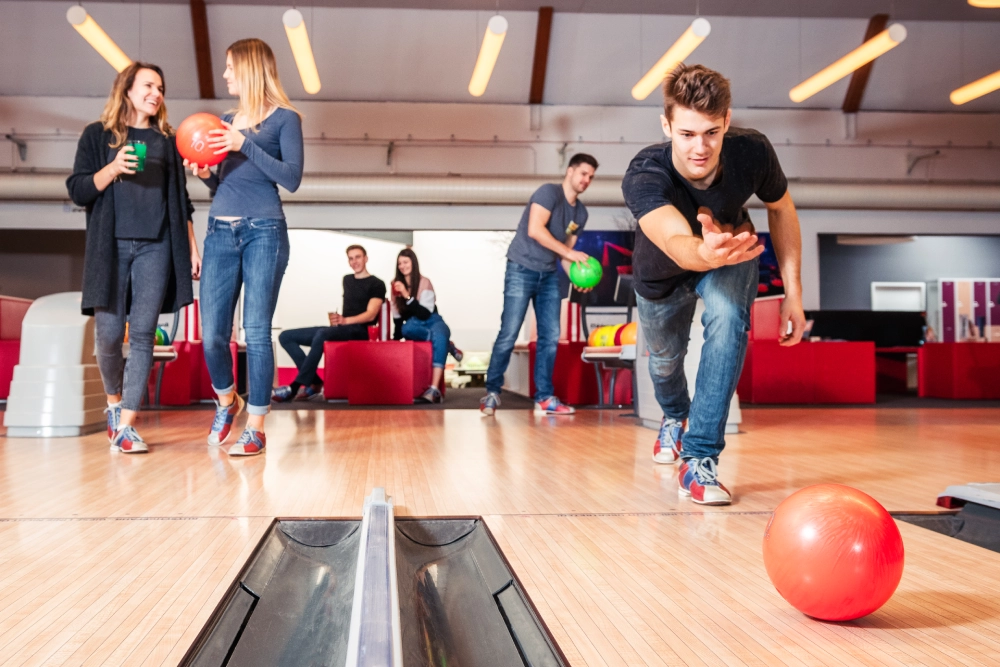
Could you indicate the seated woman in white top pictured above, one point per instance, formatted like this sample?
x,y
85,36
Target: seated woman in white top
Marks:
x,y
414,313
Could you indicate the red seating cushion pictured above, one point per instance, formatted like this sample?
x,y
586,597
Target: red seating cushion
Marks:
x,y
10,350
12,310
808,373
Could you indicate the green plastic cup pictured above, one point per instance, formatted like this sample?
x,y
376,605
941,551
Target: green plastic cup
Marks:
x,y
140,152
585,274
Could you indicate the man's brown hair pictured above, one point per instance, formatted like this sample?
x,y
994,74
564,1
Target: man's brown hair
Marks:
x,y
356,247
696,87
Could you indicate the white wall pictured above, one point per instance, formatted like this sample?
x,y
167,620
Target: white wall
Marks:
x,y
313,283
467,269
354,137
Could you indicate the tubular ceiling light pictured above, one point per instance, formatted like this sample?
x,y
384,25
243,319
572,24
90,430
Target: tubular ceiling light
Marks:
x,y
682,48
864,54
985,4
97,38
978,88
496,30
298,39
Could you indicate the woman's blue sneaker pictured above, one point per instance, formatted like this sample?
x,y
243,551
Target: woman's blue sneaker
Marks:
x,y
250,443
114,419
222,425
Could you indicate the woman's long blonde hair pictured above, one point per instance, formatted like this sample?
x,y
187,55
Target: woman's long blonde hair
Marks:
x,y
119,107
257,73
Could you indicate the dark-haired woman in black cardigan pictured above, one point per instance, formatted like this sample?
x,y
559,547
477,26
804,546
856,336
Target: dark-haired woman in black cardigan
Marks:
x,y
141,254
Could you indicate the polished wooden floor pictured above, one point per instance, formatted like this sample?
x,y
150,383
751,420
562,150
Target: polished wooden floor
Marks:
x,y
115,559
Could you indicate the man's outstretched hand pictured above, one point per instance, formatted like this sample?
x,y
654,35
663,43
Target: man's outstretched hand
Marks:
x,y
722,248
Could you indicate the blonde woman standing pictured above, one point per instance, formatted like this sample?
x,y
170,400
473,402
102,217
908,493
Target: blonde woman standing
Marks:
x,y
141,254
247,241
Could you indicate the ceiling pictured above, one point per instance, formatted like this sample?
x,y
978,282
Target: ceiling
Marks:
x,y
418,55
912,10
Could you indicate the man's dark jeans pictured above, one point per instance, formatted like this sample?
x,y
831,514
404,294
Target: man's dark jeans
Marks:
x,y
293,340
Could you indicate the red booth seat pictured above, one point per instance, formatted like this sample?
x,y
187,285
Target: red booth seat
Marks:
x,y
12,310
841,372
959,370
377,372
186,379
808,373
573,380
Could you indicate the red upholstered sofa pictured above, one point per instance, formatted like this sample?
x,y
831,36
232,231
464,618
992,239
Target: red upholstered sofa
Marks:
x,y
377,371
959,370
12,310
827,372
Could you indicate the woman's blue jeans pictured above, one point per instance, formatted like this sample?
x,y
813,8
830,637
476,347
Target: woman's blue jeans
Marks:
x,y
728,292
521,286
433,329
252,254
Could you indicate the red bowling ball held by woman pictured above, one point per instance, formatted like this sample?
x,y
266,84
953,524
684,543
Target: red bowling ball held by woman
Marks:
x,y
194,140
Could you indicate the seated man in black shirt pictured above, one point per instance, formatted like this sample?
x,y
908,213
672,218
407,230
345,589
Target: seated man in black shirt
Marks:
x,y
363,298
695,239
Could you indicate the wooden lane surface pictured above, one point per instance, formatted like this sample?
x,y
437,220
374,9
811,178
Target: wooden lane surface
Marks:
x,y
675,589
457,462
649,580
114,592
692,590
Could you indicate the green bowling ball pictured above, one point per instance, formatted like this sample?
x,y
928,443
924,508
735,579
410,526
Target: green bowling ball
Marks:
x,y
161,336
585,274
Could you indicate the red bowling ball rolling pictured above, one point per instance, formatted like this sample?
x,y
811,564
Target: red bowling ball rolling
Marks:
x,y
833,552
192,139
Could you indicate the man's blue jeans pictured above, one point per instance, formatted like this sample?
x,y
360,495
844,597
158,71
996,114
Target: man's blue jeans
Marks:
x,y
433,329
521,286
728,293
251,253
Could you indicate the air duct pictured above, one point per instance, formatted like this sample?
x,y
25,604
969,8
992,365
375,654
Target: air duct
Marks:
x,y
516,190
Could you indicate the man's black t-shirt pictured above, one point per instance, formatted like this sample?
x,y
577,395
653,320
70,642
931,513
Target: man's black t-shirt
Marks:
x,y
749,166
358,292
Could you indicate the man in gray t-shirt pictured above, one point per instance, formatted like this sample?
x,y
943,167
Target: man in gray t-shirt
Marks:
x,y
547,233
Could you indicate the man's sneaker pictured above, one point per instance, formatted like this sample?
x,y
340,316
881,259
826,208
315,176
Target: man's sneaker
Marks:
x,y
455,352
282,394
114,419
553,406
307,391
489,403
698,480
128,441
250,443
668,445
222,425
430,395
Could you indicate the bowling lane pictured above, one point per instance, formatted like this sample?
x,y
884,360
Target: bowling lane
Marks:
x,y
691,589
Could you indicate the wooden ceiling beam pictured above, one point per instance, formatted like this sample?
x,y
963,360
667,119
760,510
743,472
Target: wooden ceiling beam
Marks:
x,y
541,55
859,79
202,50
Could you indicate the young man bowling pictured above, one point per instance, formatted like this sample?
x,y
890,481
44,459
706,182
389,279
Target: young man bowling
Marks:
x,y
549,227
695,239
